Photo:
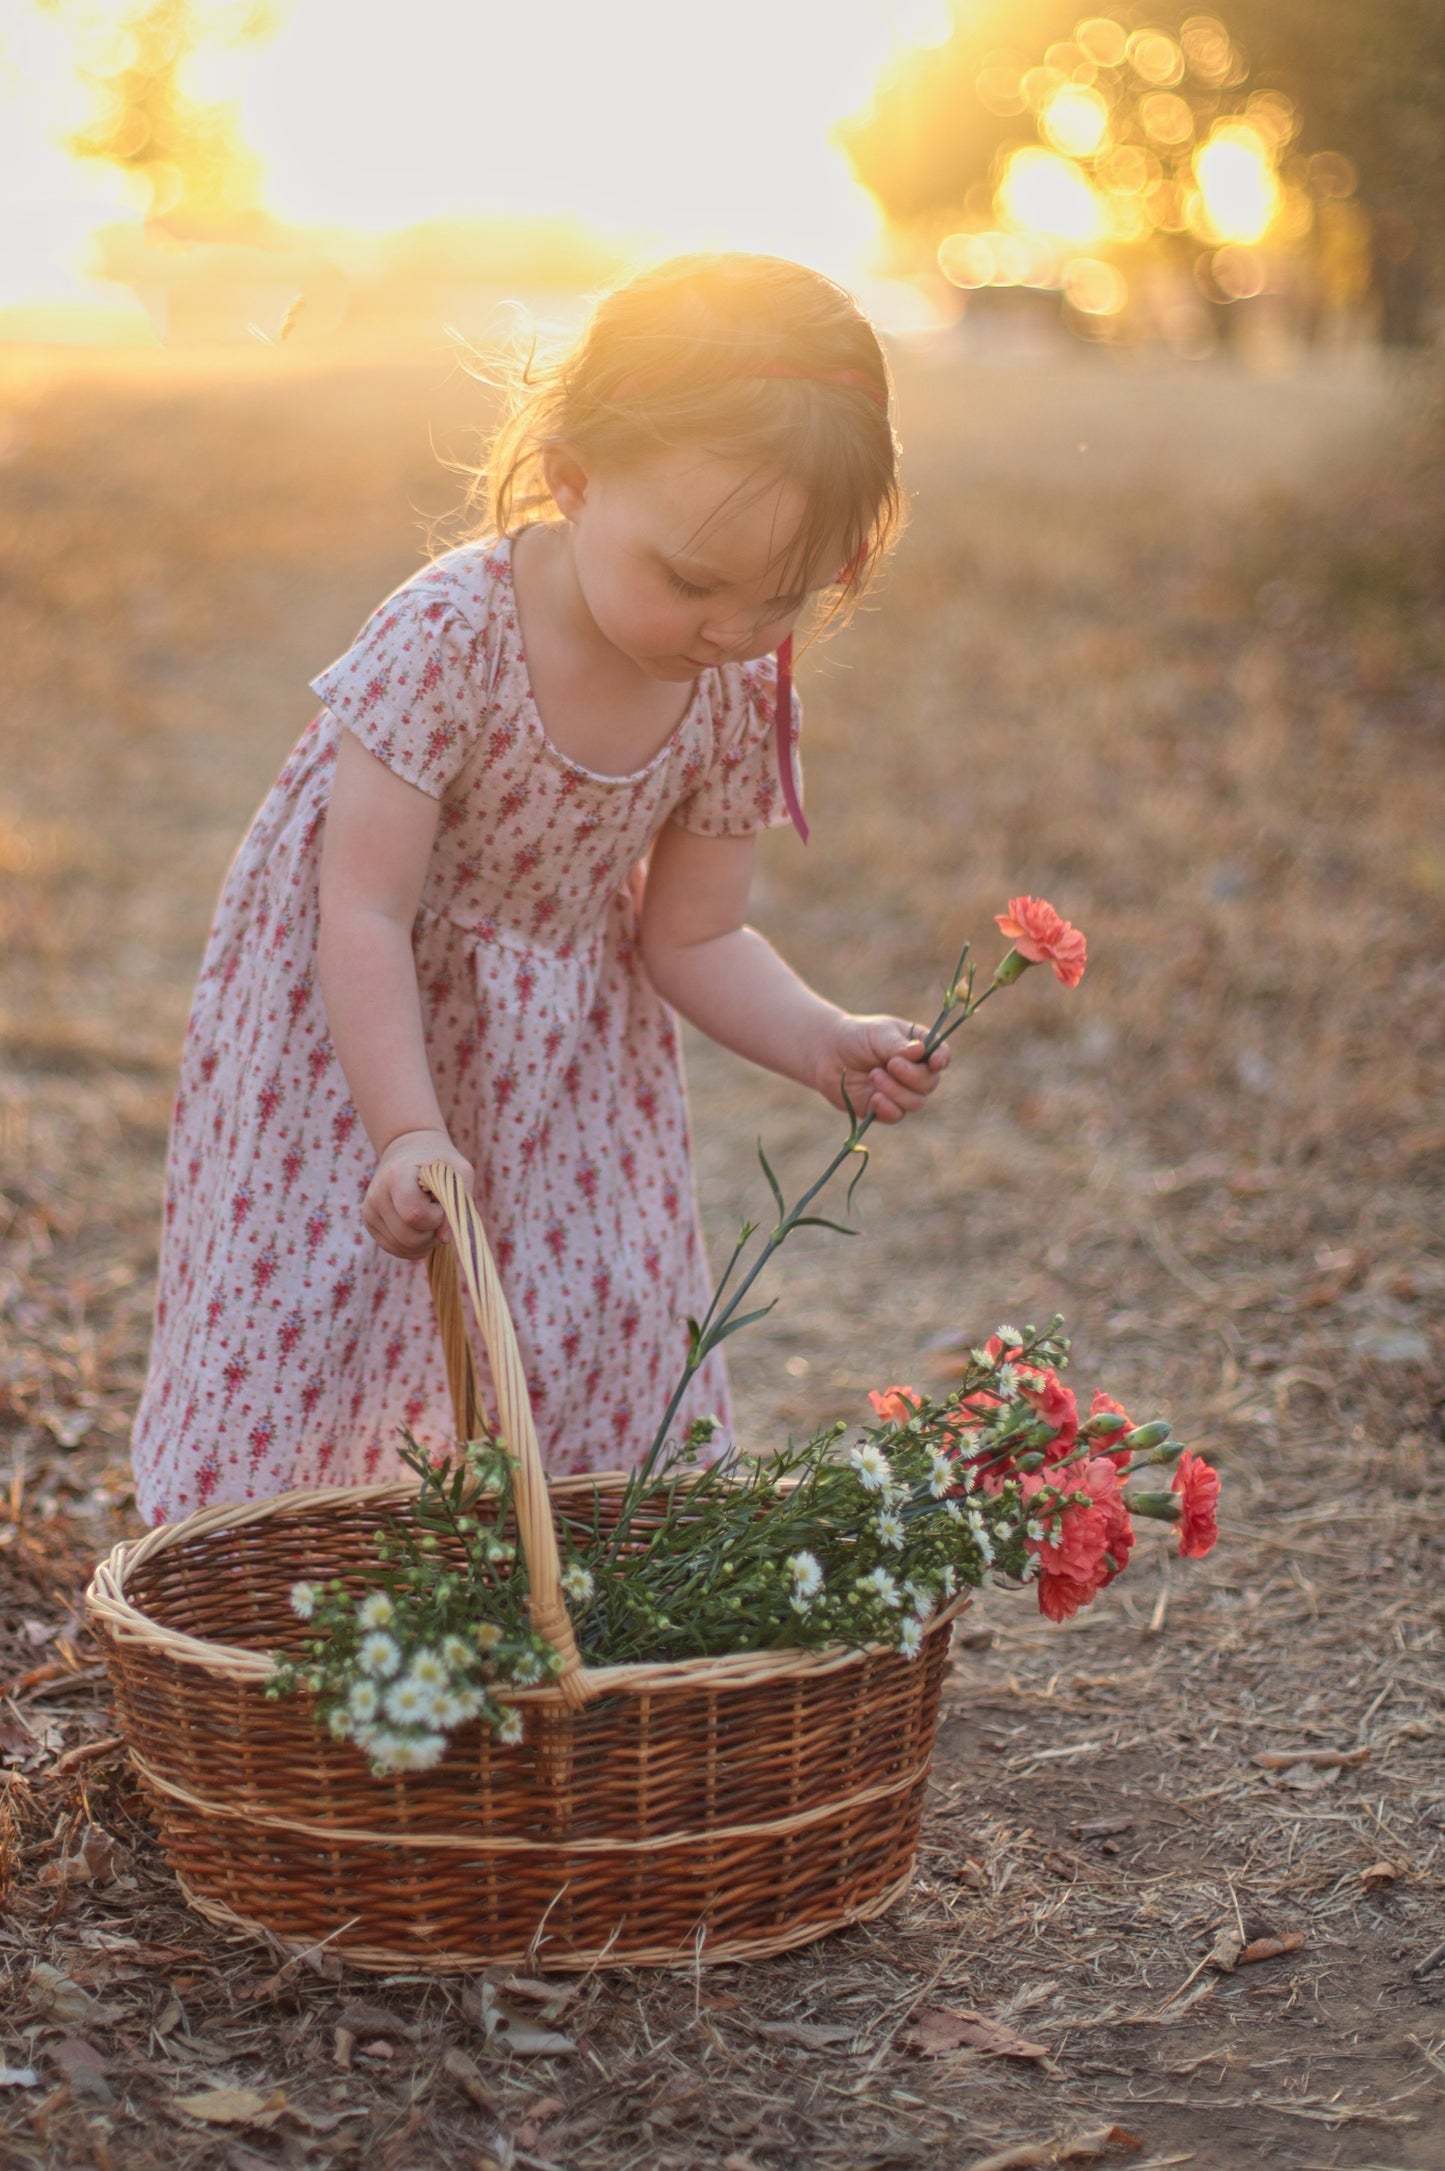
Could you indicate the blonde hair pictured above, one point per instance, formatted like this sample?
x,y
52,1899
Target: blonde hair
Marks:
x,y
683,355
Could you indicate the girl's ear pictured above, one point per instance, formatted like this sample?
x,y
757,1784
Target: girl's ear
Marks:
x,y
565,477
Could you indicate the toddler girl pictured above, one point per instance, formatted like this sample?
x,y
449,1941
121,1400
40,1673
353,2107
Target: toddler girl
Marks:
x,y
517,837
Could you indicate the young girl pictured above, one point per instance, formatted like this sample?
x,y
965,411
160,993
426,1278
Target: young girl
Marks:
x,y
518,835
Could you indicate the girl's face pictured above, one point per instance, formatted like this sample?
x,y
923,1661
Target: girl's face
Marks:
x,y
679,559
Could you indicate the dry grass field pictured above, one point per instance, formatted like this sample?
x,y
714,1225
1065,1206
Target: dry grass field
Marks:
x,y
1163,645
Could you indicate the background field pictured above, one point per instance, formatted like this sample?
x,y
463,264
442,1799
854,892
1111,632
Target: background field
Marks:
x,y
1163,645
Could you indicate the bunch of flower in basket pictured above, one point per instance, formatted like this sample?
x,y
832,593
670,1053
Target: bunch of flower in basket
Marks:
x,y
826,1543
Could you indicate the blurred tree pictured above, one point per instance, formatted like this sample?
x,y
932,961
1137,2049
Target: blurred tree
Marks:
x,y
199,177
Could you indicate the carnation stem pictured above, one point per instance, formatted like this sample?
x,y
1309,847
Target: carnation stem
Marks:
x,y
721,1318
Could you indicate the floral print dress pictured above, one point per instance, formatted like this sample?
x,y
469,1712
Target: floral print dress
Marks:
x,y
288,1348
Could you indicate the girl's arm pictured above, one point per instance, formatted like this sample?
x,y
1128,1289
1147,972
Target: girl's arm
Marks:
x,y
721,974
379,836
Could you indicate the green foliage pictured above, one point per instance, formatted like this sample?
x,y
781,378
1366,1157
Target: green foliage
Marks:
x,y
813,1547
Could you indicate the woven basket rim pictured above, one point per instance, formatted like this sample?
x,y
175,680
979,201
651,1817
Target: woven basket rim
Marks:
x,y
112,1609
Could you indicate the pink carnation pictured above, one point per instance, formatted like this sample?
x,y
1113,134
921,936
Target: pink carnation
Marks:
x,y
1040,936
1198,1487
1103,1404
1056,1406
1088,1546
895,1405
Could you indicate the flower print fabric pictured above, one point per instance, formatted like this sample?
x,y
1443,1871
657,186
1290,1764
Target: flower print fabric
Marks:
x,y
288,1347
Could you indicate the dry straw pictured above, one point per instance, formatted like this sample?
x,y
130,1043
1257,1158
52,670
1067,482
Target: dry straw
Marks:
x,y
654,1814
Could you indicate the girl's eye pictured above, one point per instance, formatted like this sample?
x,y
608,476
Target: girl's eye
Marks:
x,y
686,587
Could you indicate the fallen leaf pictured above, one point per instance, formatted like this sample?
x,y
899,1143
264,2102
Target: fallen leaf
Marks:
x,y
466,2073
233,2106
970,1873
1270,1948
542,1993
74,2055
364,2019
19,2076
535,2116
719,2001
1102,1828
343,2044
506,2028
1287,1760
1225,1951
807,2034
1382,1873
942,2028
55,1993
379,2049
1068,2148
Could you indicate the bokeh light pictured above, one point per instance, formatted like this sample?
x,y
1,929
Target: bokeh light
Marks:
x,y
1042,192
1238,186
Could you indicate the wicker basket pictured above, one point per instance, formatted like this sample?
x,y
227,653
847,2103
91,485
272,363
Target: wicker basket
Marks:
x,y
712,1809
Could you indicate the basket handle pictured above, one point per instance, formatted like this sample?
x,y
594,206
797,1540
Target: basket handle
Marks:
x,y
470,1253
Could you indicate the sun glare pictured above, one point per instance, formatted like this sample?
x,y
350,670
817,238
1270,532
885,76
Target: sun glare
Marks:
x,y
1237,183
655,128
1044,194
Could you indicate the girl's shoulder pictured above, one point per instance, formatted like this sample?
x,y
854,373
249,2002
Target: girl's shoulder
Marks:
x,y
471,582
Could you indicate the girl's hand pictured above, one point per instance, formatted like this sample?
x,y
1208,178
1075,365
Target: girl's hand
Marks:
x,y
404,1219
881,1062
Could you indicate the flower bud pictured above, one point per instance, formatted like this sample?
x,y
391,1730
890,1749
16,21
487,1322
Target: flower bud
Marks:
x,y
1010,968
1031,1462
1163,1507
1144,1437
1107,1421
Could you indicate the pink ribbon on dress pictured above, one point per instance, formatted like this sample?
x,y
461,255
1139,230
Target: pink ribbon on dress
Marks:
x,y
783,726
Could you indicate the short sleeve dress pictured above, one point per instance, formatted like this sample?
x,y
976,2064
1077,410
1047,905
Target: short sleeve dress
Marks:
x,y
288,1348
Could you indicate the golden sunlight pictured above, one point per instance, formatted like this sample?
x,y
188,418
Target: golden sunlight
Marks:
x,y
1238,187
652,127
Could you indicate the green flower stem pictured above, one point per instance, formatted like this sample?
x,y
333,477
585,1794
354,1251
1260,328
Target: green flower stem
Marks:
x,y
721,1318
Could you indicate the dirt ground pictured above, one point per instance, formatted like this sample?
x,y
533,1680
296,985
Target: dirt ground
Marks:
x,y
1162,645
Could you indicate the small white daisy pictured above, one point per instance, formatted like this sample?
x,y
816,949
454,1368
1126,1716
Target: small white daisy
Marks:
x,y
456,1653
875,1472
362,1701
949,1580
303,1600
924,1601
953,1511
487,1635
807,1574
890,1529
509,1732
1009,1337
1008,1381
415,1752
377,1611
577,1583
429,1666
378,1655
910,1638
409,1702
881,1584
528,1670
941,1474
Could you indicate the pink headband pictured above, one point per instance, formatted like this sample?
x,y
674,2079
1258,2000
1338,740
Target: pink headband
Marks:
x,y
858,381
